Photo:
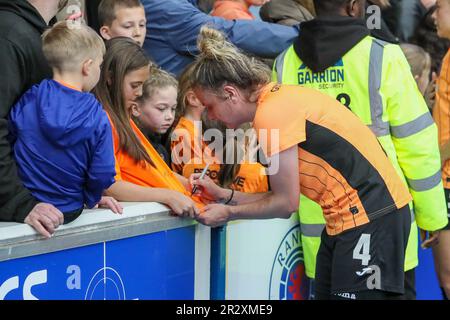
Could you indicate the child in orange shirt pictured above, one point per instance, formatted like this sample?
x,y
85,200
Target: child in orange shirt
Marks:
x,y
237,173
154,111
142,175
235,9
190,152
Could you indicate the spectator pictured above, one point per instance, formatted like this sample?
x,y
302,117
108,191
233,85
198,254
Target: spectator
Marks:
x,y
292,12
60,130
383,32
154,111
173,27
205,5
22,64
235,9
420,63
426,37
403,17
122,18
286,12
189,150
141,174
308,5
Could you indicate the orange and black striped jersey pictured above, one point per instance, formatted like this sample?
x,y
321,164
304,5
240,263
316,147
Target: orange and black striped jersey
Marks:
x,y
342,166
441,113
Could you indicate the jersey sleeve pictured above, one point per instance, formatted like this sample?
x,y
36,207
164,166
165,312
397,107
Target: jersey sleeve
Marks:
x,y
280,123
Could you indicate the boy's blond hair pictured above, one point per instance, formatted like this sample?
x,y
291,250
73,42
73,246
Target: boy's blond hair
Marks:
x,y
107,10
66,46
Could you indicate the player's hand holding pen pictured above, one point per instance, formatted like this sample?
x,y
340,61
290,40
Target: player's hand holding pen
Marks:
x,y
202,176
207,189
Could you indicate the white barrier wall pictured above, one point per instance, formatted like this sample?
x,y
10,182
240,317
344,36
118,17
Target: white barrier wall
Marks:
x,y
145,253
265,260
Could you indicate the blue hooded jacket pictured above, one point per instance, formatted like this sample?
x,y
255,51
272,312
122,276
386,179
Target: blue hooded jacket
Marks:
x,y
173,27
63,145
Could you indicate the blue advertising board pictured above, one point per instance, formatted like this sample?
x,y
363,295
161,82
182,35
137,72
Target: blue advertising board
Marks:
x,y
153,266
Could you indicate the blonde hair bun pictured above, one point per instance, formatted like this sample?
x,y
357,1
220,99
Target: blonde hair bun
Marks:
x,y
212,43
219,62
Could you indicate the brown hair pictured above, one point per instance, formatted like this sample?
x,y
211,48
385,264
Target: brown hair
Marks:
x,y
158,79
185,84
66,46
227,172
418,59
123,55
107,9
220,62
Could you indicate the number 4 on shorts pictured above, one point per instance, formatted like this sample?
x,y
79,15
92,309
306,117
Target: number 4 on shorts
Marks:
x,y
361,251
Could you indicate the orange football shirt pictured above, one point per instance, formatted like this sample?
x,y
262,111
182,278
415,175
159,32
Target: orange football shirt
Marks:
x,y
342,166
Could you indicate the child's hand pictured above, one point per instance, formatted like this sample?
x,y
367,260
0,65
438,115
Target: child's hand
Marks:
x,y
430,92
110,203
431,240
180,204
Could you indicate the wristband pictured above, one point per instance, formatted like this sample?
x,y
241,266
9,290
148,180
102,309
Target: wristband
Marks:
x,y
231,197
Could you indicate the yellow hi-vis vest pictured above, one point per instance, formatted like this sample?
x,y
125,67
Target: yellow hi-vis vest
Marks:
x,y
375,82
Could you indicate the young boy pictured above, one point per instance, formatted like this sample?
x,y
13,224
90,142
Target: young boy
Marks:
x,y
63,143
441,114
122,18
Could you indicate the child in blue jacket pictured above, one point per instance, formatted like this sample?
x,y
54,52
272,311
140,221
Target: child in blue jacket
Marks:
x,y
62,137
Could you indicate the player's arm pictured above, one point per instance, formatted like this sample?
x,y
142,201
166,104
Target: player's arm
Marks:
x,y
279,203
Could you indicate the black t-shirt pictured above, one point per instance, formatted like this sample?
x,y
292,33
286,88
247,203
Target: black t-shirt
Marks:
x,y
156,141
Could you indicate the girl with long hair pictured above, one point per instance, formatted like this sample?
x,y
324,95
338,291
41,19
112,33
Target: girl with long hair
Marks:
x,y
142,175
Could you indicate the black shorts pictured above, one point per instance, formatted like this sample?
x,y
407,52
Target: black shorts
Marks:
x,y
368,260
447,201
